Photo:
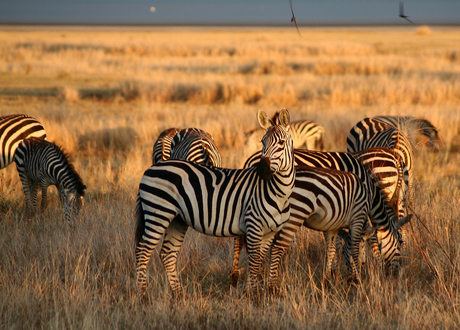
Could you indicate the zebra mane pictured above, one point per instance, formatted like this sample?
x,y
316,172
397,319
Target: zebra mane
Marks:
x,y
76,178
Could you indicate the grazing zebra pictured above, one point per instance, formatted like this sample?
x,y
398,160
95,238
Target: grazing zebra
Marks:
x,y
177,194
162,146
305,134
416,129
43,163
380,161
370,133
14,129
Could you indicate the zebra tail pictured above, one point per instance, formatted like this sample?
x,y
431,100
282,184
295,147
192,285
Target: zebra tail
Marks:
x,y
140,223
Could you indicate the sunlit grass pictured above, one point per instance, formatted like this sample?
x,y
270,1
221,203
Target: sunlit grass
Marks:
x,y
104,96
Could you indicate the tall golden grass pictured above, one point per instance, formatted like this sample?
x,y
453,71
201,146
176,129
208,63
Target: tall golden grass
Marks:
x,y
105,95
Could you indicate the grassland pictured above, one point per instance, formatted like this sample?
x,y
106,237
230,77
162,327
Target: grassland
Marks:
x,y
106,94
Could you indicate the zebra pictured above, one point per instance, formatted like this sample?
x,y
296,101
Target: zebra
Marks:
x,y
371,132
379,163
328,200
14,129
416,129
192,144
177,194
195,145
43,163
162,146
305,134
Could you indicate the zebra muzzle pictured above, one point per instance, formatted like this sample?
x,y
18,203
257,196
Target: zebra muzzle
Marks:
x,y
263,169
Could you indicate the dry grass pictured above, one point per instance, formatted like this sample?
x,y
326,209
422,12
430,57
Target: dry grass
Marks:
x,y
106,95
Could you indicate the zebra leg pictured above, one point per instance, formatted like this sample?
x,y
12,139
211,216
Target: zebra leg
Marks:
x,y
356,235
174,237
330,255
258,246
31,200
44,202
239,244
148,234
282,242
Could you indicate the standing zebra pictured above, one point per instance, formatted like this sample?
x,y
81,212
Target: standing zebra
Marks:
x,y
175,194
370,133
305,134
162,146
416,129
347,163
43,163
14,129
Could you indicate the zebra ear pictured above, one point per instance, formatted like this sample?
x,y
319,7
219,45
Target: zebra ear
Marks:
x,y
284,118
264,121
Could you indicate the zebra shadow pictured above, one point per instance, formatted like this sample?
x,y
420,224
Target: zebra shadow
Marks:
x,y
108,141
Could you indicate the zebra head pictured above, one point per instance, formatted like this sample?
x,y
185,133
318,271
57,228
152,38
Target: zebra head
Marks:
x,y
278,148
72,200
390,242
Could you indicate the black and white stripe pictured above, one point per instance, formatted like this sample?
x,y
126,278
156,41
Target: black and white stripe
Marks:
x,y
369,133
162,146
391,173
191,144
14,129
418,130
42,163
195,145
175,194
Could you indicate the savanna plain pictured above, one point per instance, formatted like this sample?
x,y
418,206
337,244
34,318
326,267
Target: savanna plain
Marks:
x,y
104,94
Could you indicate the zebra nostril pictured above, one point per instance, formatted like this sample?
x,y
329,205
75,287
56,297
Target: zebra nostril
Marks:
x,y
263,169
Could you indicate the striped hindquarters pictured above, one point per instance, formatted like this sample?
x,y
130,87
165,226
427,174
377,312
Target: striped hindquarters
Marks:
x,y
14,129
392,174
370,133
162,146
197,146
416,129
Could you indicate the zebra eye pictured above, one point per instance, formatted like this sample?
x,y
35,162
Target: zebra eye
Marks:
x,y
281,142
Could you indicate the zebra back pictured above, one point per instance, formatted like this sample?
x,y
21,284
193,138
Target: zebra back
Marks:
x,y
14,129
369,133
414,128
195,145
162,146
43,162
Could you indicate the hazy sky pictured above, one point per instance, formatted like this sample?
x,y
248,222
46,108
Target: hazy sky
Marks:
x,y
307,12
